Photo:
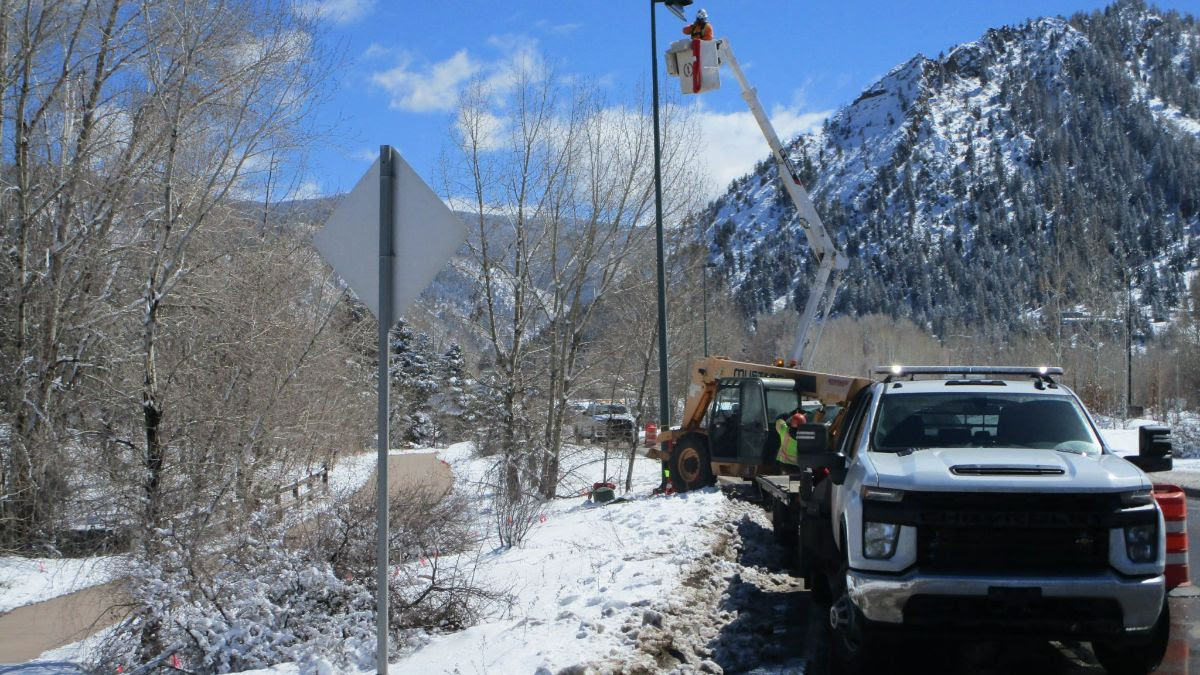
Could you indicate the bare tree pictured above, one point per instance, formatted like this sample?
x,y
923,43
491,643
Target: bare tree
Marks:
x,y
136,129
561,189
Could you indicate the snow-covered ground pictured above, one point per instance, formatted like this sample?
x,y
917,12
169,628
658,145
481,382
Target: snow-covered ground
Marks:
x,y
24,581
583,574
583,577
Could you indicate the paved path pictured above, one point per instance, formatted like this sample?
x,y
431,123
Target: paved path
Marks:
x,y
28,631
412,472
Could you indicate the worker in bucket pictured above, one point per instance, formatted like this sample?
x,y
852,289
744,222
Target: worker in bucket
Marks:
x,y
700,29
787,455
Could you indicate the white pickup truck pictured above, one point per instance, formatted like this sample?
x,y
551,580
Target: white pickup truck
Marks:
x,y
605,421
982,502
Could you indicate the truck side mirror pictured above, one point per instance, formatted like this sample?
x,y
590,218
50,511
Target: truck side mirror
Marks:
x,y
812,439
1154,449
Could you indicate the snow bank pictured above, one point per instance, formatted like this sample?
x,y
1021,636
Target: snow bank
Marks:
x,y
24,581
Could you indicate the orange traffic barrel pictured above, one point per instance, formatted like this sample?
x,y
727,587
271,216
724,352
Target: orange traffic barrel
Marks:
x,y
1173,503
651,435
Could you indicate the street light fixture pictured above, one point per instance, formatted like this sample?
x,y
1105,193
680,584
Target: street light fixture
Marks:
x,y
664,403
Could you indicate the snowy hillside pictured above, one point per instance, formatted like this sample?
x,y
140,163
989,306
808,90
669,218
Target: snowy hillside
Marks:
x,y
1028,167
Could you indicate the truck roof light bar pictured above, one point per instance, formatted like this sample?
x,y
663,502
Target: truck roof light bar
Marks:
x,y
1041,373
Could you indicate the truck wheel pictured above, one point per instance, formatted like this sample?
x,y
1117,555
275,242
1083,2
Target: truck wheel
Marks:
x,y
854,647
689,465
1126,657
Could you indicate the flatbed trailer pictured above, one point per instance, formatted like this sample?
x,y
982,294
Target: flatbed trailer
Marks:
x,y
800,511
782,495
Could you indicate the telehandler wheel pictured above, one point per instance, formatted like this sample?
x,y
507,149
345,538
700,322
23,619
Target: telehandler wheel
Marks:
x,y
689,465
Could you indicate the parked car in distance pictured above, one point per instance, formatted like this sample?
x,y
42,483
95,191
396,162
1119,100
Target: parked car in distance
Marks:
x,y
605,421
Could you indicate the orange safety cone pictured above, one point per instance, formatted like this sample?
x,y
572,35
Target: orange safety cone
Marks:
x,y
651,435
1173,503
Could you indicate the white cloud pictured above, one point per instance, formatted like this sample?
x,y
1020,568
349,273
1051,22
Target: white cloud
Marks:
x,y
378,51
429,89
337,11
283,49
733,143
557,28
434,87
519,55
491,130
366,155
309,189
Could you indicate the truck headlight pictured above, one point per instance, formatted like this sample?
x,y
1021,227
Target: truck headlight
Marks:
x,y
879,540
1141,542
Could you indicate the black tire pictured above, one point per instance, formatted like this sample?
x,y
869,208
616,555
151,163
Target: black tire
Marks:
x,y
855,648
1130,657
689,464
818,585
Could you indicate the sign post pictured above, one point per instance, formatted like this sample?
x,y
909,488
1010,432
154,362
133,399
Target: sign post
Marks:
x,y
387,266
411,245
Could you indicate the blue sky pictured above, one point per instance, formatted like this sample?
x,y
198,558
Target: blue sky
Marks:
x,y
406,62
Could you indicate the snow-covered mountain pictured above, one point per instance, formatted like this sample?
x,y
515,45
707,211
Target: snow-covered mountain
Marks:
x,y
1034,171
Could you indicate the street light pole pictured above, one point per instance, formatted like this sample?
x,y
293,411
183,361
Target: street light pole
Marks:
x,y
1128,348
664,405
704,291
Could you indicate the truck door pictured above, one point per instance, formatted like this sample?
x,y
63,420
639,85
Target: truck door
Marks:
x,y
725,419
752,432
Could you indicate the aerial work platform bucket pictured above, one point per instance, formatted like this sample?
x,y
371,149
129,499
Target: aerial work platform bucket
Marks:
x,y
697,64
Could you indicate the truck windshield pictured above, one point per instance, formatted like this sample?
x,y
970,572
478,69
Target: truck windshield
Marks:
x,y
961,420
611,410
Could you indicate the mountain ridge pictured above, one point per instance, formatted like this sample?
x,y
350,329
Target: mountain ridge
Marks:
x,y
1035,166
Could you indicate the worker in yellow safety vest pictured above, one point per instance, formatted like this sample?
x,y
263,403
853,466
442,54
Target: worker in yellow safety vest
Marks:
x,y
700,29
787,454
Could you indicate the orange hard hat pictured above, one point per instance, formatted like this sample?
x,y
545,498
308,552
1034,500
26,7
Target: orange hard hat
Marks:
x,y
797,420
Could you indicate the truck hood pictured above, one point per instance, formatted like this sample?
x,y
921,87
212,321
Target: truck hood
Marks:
x,y
605,418
1005,470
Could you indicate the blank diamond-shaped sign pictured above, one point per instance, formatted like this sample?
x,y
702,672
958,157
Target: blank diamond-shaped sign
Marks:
x,y
426,234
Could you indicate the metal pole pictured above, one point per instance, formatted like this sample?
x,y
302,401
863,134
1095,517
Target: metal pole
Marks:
x,y
704,291
387,260
1128,347
664,405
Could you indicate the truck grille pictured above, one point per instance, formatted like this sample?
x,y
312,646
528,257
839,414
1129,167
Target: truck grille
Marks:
x,y
995,533
615,428
961,550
